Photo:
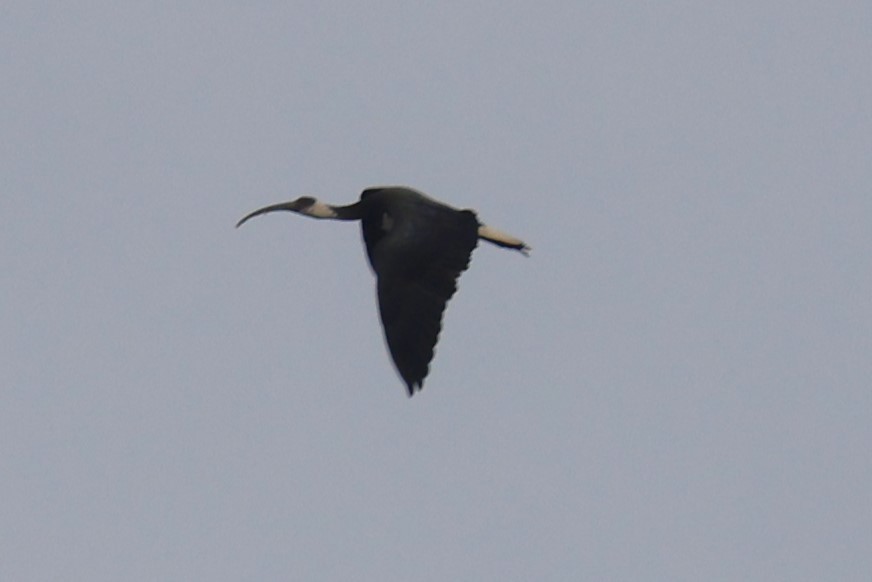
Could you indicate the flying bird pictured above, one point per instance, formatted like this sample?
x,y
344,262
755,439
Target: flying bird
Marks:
x,y
418,248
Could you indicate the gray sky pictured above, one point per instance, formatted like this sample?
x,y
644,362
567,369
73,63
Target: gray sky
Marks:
x,y
675,386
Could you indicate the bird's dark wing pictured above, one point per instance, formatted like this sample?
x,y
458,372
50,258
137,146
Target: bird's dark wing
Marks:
x,y
417,275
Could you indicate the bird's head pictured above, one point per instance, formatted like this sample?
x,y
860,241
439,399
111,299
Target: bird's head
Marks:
x,y
303,205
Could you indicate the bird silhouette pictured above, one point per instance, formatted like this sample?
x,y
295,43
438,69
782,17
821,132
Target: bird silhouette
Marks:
x,y
418,248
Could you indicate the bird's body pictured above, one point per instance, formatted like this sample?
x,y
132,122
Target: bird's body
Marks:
x,y
417,247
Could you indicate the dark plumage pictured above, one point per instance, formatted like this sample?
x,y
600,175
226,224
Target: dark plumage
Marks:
x,y
417,247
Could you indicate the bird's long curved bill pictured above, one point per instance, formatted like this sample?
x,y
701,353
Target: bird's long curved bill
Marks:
x,y
273,207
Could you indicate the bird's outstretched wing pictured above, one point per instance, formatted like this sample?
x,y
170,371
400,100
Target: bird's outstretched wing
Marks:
x,y
413,291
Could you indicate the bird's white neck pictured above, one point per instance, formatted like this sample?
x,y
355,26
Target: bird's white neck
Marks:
x,y
319,210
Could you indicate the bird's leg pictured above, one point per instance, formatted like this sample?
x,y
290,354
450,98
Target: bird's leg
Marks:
x,y
502,239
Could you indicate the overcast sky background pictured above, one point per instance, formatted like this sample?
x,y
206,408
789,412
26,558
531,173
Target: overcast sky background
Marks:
x,y
674,386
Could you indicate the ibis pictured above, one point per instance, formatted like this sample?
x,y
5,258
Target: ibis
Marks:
x,y
417,247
